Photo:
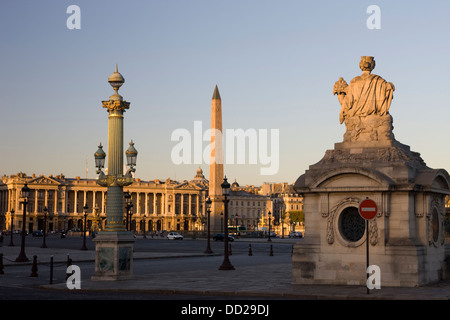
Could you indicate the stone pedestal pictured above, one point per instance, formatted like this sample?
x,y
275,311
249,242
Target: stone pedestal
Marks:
x,y
113,256
406,238
407,235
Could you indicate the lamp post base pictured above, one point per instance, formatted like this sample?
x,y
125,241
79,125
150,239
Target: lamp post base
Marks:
x,y
22,258
226,266
113,256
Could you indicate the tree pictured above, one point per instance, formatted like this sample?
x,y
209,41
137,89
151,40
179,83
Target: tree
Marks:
x,y
296,216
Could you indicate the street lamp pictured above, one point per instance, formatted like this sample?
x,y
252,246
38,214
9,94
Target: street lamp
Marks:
x,y
129,213
270,240
127,197
208,203
131,156
145,236
85,209
44,245
226,265
25,194
194,220
237,225
11,243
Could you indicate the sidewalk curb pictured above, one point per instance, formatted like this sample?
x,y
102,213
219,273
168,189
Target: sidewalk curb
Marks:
x,y
275,295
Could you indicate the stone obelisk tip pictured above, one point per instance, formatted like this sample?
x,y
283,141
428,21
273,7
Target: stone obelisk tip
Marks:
x,y
216,94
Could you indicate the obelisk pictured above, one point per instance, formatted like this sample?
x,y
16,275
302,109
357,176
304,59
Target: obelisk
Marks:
x,y
216,164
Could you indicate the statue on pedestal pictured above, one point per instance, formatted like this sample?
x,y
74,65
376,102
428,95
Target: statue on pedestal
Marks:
x,y
406,236
365,105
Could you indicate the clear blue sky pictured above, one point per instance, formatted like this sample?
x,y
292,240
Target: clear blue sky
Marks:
x,y
275,63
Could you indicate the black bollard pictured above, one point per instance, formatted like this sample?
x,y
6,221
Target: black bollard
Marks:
x,y
271,251
51,270
1,264
34,267
69,263
229,250
250,253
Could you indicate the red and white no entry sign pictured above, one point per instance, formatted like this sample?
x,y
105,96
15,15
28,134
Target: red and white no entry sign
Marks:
x,y
368,209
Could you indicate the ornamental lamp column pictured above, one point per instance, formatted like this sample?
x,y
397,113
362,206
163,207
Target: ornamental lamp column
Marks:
x,y
11,243
44,244
270,218
226,264
208,203
22,257
114,245
85,209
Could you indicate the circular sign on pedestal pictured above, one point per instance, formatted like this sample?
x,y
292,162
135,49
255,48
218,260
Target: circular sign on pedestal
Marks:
x,y
368,209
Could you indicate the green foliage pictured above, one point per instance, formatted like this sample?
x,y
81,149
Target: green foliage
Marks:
x,y
296,216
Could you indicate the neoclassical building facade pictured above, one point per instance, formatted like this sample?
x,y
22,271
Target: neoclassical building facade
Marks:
x,y
157,204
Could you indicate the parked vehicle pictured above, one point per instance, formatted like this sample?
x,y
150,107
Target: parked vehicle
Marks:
x,y
174,236
273,234
38,233
221,237
296,234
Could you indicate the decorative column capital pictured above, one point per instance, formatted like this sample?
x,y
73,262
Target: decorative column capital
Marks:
x,y
114,181
116,105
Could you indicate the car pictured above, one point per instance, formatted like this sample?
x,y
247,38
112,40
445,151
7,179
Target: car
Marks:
x,y
174,236
221,236
296,234
38,233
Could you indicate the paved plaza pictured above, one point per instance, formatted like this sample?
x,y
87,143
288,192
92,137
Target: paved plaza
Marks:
x,y
268,277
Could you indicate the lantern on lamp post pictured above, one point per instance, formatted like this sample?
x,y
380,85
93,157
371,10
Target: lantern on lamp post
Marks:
x,y
100,156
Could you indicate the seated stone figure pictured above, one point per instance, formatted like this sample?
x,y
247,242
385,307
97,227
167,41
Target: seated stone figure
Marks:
x,y
365,105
